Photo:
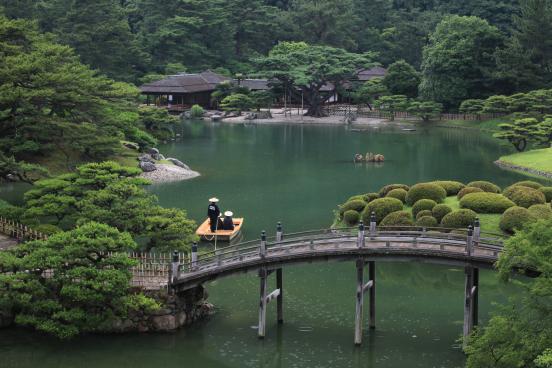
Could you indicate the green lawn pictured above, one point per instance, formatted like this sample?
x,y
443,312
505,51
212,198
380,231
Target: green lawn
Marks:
x,y
484,125
539,159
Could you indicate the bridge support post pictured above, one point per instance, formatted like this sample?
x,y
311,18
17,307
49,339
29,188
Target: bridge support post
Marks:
x,y
280,298
262,303
262,247
476,232
372,279
372,225
469,241
361,289
471,301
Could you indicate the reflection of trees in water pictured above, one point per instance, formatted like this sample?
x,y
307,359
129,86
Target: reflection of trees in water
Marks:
x,y
419,275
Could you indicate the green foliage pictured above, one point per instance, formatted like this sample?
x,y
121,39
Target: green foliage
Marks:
x,y
547,191
397,218
369,91
402,79
529,184
262,99
85,288
471,106
427,221
515,218
468,190
398,193
524,196
519,133
451,187
540,211
391,104
425,191
425,110
47,229
326,64
486,202
368,197
196,111
423,213
381,207
459,219
386,189
357,205
486,186
351,217
440,211
458,63
237,103
157,122
423,204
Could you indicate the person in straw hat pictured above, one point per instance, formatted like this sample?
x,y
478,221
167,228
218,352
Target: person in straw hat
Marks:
x,y
213,212
228,222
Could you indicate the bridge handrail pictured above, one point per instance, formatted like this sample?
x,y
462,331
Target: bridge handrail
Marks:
x,y
245,249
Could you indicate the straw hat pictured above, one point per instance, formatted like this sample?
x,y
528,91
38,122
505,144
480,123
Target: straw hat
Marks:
x,y
228,213
214,199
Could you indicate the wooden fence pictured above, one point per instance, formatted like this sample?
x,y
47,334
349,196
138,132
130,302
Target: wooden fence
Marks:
x,y
365,111
19,231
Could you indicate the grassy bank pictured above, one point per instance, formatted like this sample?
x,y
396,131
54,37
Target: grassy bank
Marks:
x,y
483,125
539,159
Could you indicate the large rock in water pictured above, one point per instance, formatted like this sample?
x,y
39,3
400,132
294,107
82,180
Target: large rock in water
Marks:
x,y
147,166
178,163
146,158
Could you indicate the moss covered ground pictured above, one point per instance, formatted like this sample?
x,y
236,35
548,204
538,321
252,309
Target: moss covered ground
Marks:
x,y
538,159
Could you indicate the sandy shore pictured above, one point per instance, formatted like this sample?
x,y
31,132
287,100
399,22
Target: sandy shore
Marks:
x,y
168,173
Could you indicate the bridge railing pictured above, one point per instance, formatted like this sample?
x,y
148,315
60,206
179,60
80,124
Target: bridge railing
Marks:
x,y
251,249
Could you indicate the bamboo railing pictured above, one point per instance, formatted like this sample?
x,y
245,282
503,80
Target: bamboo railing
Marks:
x,y
19,231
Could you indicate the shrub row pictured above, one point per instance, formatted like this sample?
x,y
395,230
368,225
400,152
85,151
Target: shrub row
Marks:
x,y
524,196
398,218
386,189
486,202
381,207
398,193
423,204
486,186
450,186
425,191
468,190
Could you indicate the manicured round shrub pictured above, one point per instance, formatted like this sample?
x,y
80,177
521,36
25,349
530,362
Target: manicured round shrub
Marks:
x,y
459,219
427,221
381,207
540,211
547,191
355,205
351,217
529,184
524,196
486,202
398,193
440,211
386,189
196,111
47,229
398,218
369,197
423,213
423,204
468,190
514,219
425,191
486,186
451,187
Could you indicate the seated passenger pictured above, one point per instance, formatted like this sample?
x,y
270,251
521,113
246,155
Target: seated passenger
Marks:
x,y
228,223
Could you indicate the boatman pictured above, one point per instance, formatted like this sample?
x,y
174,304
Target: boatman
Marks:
x,y
213,212
228,222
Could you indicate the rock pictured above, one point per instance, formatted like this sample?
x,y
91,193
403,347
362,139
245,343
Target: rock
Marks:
x,y
379,158
178,163
147,166
164,323
230,114
160,157
186,115
216,117
132,145
181,319
153,151
358,157
250,116
146,158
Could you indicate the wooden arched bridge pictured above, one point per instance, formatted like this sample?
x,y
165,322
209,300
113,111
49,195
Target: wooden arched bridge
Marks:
x,y
470,248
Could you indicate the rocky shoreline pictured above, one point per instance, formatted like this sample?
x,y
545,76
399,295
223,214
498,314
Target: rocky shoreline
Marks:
x,y
165,173
508,166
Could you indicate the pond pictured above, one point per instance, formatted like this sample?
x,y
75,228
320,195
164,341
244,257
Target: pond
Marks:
x,y
297,175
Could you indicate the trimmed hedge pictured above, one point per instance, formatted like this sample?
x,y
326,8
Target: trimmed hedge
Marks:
x,y
540,211
486,186
423,213
381,207
459,219
529,184
47,229
468,190
423,204
368,197
440,211
351,217
398,218
398,193
524,196
386,189
425,191
514,219
452,187
486,202
547,191
355,205
427,221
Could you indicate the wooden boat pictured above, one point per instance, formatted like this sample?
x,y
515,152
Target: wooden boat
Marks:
x,y
205,233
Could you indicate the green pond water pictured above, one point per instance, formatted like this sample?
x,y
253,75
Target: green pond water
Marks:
x,y
297,175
